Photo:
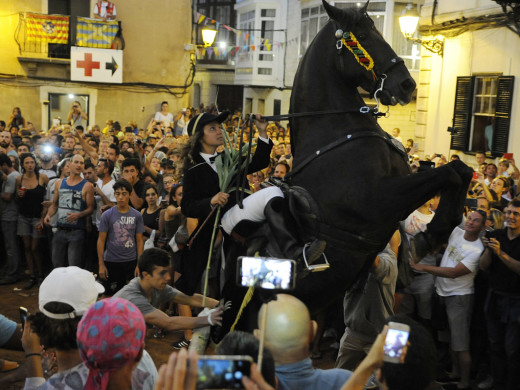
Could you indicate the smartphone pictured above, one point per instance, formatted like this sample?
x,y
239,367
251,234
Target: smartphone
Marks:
x,y
471,203
508,156
268,273
222,372
395,342
425,165
475,175
23,316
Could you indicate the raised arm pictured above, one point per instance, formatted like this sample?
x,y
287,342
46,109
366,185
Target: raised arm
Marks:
x,y
509,262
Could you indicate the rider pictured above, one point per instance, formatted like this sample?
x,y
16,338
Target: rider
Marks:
x,y
202,193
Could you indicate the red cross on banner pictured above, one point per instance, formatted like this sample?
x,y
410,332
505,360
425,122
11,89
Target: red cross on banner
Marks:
x,y
88,64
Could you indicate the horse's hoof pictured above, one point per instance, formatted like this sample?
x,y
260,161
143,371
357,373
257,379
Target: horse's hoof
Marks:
x,y
420,246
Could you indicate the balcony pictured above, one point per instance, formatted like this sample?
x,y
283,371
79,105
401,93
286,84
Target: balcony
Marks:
x,y
43,38
216,56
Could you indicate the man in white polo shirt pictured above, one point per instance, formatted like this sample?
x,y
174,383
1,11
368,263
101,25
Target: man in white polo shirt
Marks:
x,y
454,284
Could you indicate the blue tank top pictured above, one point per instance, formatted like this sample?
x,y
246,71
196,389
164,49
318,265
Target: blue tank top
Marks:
x,y
70,200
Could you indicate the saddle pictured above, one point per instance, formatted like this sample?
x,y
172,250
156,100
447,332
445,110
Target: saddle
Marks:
x,y
301,217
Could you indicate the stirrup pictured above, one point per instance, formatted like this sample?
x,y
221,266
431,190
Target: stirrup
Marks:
x,y
315,267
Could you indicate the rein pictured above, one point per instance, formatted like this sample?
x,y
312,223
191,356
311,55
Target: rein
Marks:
x,y
341,141
362,110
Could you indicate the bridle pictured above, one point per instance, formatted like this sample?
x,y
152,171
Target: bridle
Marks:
x,y
379,72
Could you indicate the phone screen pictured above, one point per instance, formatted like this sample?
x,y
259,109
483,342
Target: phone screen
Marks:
x,y
222,372
266,273
395,343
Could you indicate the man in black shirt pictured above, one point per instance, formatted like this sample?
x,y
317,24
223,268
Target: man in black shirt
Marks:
x,y
502,259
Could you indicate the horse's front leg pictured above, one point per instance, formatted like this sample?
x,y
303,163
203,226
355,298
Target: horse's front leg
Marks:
x,y
405,194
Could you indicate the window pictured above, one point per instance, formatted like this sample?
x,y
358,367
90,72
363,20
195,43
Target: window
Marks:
x,y
482,114
265,57
409,51
277,105
265,71
314,18
59,107
74,9
268,13
222,11
247,25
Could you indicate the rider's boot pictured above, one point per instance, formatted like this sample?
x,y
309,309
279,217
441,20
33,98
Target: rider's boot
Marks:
x,y
276,217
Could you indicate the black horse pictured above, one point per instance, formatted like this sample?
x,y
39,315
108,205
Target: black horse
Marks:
x,y
357,174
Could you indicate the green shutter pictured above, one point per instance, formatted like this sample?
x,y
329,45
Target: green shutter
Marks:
x,y
503,114
462,112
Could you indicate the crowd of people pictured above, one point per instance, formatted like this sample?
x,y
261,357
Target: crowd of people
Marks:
x,y
123,202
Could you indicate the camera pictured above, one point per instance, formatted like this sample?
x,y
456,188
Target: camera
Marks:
x,y
267,273
222,372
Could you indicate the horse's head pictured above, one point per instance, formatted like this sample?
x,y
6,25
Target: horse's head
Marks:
x,y
358,39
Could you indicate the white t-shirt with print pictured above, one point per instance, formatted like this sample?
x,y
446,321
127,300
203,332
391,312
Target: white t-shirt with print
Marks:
x,y
458,251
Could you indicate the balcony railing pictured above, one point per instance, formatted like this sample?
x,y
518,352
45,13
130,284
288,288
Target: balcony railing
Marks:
x,y
51,36
216,56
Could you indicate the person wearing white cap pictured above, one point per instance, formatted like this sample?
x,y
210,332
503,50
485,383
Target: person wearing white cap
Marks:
x,y
65,296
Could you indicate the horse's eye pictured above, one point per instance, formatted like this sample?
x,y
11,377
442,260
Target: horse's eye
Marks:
x,y
362,36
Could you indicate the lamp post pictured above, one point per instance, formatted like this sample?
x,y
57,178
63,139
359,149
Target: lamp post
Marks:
x,y
408,22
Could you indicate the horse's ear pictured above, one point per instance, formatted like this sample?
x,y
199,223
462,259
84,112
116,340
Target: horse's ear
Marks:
x,y
333,12
365,7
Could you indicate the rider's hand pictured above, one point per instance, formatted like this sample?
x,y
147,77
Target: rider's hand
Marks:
x,y
261,125
220,199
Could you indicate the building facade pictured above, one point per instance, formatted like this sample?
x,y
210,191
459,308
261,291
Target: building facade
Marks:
x,y
36,75
473,88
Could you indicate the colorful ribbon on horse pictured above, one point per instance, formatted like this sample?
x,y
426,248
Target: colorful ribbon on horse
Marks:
x,y
350,41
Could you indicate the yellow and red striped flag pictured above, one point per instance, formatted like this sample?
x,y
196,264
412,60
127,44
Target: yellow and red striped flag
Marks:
x,y
47,28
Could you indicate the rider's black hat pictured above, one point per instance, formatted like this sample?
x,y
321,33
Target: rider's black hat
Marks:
x,y
197,123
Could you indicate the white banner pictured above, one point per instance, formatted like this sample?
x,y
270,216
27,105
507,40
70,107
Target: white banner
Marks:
x,y
96,65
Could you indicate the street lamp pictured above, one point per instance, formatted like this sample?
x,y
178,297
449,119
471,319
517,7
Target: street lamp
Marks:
x,y
408,22
209,34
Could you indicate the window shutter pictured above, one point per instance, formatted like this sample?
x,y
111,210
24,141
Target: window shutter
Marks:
x,y
462,112
503,114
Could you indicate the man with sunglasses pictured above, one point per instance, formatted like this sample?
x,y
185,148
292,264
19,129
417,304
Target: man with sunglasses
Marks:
x,y
502,259
454,285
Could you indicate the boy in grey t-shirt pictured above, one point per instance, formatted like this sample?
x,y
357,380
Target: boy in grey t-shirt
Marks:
x,y
121,228
151,289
